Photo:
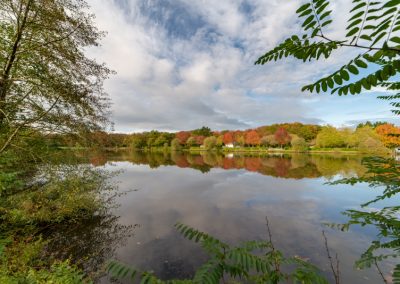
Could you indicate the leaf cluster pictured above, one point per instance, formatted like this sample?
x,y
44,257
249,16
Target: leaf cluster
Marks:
x,y
373,29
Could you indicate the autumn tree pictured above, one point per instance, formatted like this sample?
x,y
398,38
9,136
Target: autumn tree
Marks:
x,y
269,140
239,138
389,135
47,83
282,136
182,136
228,138
252,138
199,139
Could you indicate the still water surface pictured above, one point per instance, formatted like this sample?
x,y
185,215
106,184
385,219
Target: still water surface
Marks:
x,y
229,197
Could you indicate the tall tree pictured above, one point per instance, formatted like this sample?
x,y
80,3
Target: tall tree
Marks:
x,y
46,80
282,137
389,134
252,138
228,138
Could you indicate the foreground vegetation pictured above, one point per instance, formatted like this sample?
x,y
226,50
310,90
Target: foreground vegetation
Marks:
x,y
49,90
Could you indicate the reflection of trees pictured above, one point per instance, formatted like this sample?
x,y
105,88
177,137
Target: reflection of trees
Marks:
x,y
286,166
330,166
252,164
90,243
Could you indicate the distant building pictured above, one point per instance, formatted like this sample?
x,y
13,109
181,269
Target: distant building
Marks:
x,y
229,145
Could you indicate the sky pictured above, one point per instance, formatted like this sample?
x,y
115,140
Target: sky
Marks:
x,y
184,64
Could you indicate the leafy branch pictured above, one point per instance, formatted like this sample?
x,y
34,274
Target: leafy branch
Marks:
x,y
373,28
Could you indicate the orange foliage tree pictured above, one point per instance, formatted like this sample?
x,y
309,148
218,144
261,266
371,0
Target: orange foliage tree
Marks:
x,y
228,138
389,135
252,138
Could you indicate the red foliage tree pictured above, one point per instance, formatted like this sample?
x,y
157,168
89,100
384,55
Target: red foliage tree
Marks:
x,y
228,138
252,138
182,136
199,139
282,136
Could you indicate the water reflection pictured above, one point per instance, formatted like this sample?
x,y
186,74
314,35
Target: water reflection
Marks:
x,y
229,198
89,243
294,166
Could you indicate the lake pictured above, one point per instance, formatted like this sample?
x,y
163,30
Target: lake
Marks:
x,y
230,197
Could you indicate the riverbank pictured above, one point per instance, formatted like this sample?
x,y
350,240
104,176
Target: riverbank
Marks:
x,y
256,150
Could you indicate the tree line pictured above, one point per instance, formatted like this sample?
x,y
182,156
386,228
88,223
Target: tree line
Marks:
x,y
366,137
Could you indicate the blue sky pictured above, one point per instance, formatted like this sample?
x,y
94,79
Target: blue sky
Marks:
x,y
183,64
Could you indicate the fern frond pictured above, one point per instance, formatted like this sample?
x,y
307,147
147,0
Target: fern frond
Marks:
x,y
121,271
197,236
210,272
396,274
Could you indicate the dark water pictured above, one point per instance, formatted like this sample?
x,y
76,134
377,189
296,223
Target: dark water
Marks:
x,y
229,197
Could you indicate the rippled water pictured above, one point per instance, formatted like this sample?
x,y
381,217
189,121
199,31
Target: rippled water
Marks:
x,y
229,197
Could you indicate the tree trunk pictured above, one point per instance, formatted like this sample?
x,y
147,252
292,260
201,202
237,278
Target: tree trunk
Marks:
x,y
10,62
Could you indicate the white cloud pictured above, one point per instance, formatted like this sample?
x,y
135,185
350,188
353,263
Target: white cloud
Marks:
x,y
184,64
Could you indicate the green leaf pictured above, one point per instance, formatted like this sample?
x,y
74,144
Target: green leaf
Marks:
x,y
366,37
305,13
324,15
344,75
324,86
330,83
391,3
362,4
356,22
303,7
326,23
352,32
338,79
353,69
361,63
308,20
359,14
395,39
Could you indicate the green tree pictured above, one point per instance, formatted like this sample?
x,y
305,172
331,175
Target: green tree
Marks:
x,y
204,131
330,137
46,81
191,141
160,141
175,144
299,144
210,143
